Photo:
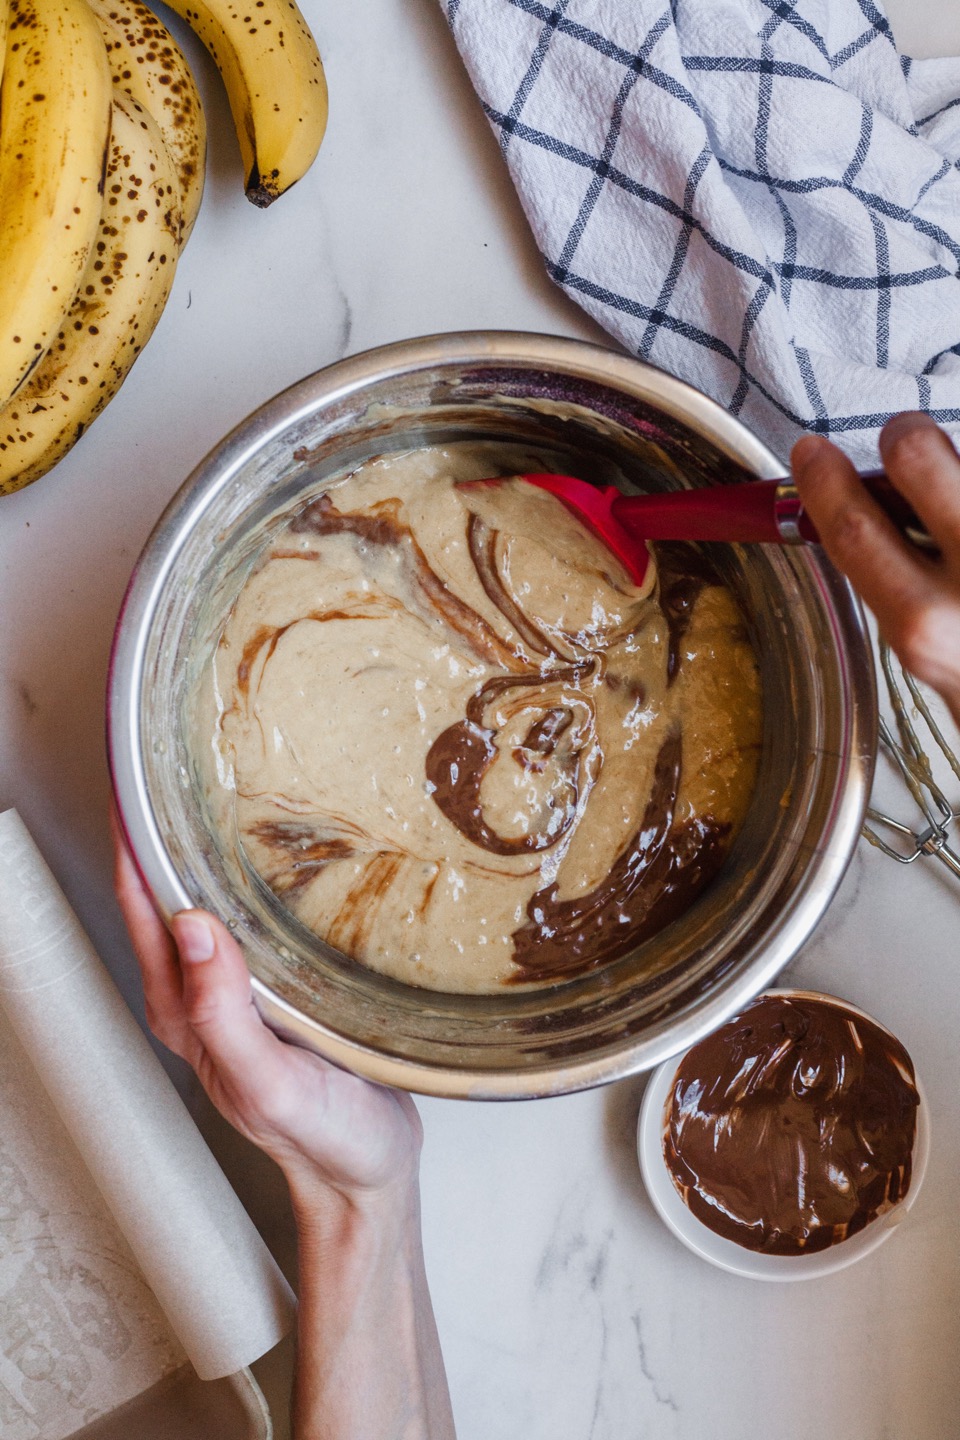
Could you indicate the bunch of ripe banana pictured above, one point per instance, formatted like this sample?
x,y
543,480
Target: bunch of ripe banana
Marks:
x,y
102,153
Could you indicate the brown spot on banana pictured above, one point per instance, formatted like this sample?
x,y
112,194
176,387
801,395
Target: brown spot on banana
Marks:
x,y
118,304
275,84
54,128
147,64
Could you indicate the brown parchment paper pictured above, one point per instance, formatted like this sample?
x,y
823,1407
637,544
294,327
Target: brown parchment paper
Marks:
x,y
220,1289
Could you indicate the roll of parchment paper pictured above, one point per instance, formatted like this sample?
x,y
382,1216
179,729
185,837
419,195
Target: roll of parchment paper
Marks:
x,y
221,1290
81,1332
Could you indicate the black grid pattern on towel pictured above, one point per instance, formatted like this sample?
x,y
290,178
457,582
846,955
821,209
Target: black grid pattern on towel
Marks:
x,y
593,167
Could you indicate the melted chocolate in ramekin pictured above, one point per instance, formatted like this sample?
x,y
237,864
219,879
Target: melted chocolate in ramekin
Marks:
x,y
792,1126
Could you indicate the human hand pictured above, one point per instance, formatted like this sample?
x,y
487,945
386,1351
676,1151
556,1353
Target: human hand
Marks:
x,y
318,1122
915,598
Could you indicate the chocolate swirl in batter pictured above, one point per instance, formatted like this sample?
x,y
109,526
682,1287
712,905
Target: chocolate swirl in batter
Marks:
x,y
682,572
301,853
383,527
792,1126
461,755
653,881
464,748
482,540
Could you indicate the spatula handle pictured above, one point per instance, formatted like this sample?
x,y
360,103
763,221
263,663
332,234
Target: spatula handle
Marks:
x,y
760,510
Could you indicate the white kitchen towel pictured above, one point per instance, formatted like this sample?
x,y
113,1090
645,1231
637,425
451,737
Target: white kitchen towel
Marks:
x,y
760,196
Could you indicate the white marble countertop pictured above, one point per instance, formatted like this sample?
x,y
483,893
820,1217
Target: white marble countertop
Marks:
x,y
566,1310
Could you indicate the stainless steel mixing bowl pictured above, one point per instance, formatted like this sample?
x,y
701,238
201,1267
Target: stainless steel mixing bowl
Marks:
x,y
603,416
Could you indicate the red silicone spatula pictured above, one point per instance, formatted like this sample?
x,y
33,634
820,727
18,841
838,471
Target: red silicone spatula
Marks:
x,y
760,510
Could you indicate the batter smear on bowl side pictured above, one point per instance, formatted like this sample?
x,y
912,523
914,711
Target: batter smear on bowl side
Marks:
x,y
460,745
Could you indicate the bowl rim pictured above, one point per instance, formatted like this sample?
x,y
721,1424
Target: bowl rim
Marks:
x,y
582,361
737,1259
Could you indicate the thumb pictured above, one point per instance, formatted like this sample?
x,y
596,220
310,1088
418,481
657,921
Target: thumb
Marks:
x,y
254,1078
218,999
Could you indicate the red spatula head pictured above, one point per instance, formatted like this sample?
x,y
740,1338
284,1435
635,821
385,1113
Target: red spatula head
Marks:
x,y
593,508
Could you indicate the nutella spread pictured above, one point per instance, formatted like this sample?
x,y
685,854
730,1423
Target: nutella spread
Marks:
x,y
792,1126
459,744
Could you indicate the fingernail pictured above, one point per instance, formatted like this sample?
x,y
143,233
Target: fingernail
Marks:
x,y
194,938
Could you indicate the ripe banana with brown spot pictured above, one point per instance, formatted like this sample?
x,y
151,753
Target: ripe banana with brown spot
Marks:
x,y
148,64
124,289
54,128
4,10
275,84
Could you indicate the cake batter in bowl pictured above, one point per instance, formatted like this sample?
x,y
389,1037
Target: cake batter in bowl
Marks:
x,y
532,763
570,407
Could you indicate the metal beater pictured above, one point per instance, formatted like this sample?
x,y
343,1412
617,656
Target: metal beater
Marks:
x,y
906,844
